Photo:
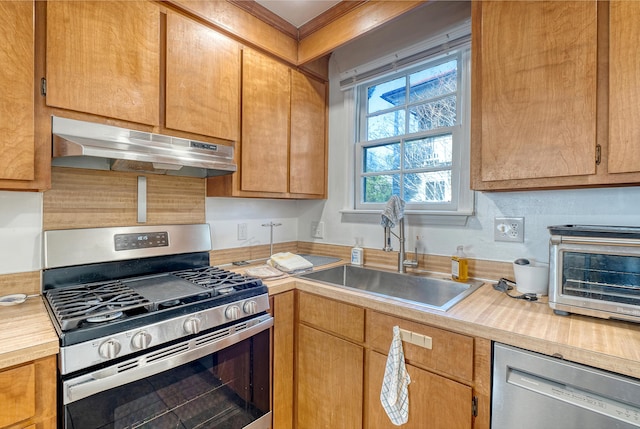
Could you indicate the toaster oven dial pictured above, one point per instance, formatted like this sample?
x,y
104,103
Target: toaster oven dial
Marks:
x,y
192,325
250,307
232,312
141,340
109,349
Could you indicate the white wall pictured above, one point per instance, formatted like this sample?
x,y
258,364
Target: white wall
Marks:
x,y
225,214
20,232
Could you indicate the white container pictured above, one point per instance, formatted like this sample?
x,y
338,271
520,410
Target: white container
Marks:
x,y
357,254
532,278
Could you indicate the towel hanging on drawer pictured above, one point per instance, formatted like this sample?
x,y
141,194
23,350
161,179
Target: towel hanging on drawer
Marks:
x,y
394,395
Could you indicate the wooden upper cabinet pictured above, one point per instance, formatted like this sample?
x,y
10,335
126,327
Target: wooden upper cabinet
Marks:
x,y
103,58
308,135
265,124
17,143
202,80
624,87
534,91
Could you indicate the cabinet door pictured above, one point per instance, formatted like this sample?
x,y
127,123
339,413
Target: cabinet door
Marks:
x,y
329,381
17,394
202,80
283,351
308,142
17,143
434,402
536,88
264,150
624,87
103,58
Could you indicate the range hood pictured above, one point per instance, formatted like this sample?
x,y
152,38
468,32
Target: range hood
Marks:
x,y
83,144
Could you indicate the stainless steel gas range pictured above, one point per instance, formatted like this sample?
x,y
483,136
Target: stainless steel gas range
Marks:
x,y
151,335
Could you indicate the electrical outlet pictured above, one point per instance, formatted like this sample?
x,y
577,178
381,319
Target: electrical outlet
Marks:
x,y
242,231
317,229
509,229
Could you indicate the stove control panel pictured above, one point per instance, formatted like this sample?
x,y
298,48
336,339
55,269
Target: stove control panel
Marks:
x,y
140,240
97,351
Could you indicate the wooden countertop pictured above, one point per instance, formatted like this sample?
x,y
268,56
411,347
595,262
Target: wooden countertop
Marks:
x,y
487,313
26,333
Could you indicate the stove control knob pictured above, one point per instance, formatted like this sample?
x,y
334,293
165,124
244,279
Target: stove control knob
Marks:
x,y
192,325
232,312
109,349
141,340
250,307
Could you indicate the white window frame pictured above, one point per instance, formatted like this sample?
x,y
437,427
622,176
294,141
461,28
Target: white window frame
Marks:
x,y
463,198
456,131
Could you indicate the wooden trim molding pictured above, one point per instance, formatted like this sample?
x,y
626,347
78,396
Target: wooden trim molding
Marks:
x,y
328,16
264,14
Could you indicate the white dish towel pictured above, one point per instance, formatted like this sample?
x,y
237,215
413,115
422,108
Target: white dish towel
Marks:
x,y
395,393
393,212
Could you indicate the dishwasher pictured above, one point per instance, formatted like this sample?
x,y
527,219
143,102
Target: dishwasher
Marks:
x,y
534,391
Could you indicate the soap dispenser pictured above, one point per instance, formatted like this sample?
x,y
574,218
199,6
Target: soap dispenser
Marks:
x,y
357,254
460,265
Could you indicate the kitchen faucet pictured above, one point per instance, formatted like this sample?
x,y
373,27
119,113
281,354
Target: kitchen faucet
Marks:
x,y
402,262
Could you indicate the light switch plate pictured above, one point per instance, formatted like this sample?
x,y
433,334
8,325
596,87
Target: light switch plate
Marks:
x,y
509,229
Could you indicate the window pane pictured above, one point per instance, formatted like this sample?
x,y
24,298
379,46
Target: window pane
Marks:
x,y
378,189
433,151
382,158
433,187
428,116
434,81
386,125
386,95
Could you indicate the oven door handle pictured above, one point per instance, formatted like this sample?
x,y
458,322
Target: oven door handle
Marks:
x,y
161,360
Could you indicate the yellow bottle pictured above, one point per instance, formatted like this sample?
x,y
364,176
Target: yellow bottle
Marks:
x,y
460,266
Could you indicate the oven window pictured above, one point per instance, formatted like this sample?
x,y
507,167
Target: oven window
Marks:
x,y
612,278
228,389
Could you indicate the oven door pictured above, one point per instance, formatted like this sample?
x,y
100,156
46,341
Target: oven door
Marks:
x,y
218,379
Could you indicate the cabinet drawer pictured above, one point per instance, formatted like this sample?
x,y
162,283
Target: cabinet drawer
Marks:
x,y
17,394
336,317
450,353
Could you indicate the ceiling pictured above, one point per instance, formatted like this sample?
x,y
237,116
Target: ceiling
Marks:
x,y
298,12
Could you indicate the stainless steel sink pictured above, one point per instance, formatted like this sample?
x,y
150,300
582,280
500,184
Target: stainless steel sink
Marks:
x,y
436,293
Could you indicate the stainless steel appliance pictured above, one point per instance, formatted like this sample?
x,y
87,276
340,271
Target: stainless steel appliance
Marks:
x,y
104,147
595,270
533,391
151,335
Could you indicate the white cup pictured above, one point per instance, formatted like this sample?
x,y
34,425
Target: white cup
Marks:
x,y
532,278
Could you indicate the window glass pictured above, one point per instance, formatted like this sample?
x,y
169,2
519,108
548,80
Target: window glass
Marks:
x,y
410,132
386,95
382,158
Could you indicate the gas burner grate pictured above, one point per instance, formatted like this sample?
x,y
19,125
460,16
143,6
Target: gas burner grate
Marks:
x,y
218,279
95,302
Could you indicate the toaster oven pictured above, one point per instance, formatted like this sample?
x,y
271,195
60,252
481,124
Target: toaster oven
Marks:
x,y
595,271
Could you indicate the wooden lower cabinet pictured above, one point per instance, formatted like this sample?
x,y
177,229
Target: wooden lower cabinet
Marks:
x,y
28,395
283,312
329,381
340,352
435,402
